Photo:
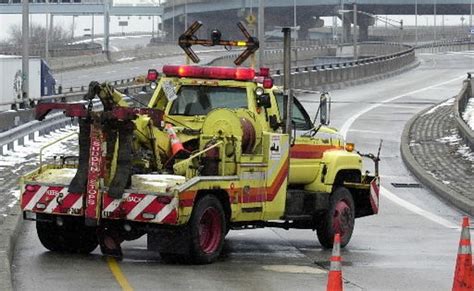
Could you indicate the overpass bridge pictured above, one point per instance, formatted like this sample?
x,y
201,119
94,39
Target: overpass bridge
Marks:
x,y
175,14
80,7
308,12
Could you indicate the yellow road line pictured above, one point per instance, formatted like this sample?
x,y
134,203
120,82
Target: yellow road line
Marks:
x,y
118,274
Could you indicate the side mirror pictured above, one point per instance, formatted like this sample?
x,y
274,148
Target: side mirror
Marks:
x,y
325,109
264,101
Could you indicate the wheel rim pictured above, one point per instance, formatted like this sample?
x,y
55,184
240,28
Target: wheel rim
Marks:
x,y
342,218
210,230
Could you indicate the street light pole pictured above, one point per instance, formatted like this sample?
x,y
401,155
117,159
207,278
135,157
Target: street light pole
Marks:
x,y
355,36
261,32
92,29
470,24
342,22
434,21
172,20
46,38
152,26
25,58
185,14
416,22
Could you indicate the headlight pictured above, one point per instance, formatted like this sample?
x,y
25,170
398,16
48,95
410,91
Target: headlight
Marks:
x,y
259,91
153,85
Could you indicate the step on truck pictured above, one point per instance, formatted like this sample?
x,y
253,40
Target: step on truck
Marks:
x,y
217,148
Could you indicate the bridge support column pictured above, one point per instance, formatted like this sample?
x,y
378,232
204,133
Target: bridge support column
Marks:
x,y
106,28
364,22
346,30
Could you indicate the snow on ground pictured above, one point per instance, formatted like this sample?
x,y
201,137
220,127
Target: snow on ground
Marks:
x,y
111,37
14,162
462,149
448,102
18,155
468,114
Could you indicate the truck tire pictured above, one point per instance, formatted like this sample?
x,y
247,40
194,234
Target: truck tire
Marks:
x,y
72,237
339,218
207,228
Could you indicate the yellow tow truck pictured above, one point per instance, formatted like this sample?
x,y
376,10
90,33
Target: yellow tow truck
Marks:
x,y
209,153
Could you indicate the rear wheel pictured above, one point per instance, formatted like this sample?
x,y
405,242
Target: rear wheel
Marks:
x,y
339,218
70,237
207,228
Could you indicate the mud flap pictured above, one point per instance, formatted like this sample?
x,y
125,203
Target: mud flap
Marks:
x,y
124,160
173,241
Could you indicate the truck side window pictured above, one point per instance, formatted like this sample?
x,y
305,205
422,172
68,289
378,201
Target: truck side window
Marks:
x,y
298,116
199,100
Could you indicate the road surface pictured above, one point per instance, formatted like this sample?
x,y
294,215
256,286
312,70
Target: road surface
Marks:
x,y
410,245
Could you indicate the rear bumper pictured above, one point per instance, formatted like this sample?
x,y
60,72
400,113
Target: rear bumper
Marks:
x,y
158,208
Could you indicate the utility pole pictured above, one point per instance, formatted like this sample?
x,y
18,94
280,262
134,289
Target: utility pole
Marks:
x,y
73,26
342,22
295,43
355,36
25,57
92,29
416,22
470,24
106,28
287,78
185,15
172,29
261,33
152,26
46,38
434,21
294,20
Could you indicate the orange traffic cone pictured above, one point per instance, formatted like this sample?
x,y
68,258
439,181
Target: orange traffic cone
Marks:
x,y
176,145
463,274
335,271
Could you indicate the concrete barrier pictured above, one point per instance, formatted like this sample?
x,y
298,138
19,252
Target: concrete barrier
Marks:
x,y
466,133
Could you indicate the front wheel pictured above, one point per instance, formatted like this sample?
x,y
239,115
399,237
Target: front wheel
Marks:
x,y
339,218
207,228
70,237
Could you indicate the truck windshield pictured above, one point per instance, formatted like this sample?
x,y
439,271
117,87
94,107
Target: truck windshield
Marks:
x,y
199,100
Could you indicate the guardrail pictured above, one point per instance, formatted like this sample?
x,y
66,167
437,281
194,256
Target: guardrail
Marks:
x,y
274,56
466,133
18,135
73,92
319,77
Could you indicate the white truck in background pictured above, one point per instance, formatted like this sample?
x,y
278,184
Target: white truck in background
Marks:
x,y
41,82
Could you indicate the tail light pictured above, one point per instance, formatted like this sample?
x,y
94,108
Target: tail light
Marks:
x,y
264,72
267,83
32,188
152,75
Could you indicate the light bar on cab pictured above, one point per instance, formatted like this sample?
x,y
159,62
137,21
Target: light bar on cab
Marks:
x,y
221,73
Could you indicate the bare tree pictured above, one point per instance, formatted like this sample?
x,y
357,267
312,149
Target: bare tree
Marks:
x,y
38,35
